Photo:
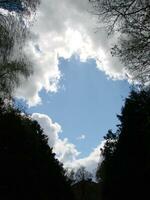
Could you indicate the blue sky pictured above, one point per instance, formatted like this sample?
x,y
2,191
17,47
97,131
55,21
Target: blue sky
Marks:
x,y
86,103
76,97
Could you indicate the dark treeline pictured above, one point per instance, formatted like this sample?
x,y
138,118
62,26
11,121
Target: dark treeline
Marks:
x,y
28,167
125,171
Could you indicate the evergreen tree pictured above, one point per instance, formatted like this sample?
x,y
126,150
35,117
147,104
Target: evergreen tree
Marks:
x,y
28,167
125,171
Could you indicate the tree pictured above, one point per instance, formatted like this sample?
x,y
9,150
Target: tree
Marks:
x,y
107,152
81,174
131,18
82,185
10,74
13,62
19,5
13,34
14,27
125,170
28,167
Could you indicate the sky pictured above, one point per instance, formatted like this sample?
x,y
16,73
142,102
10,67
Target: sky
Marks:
x,y
77,87
85,105
81,112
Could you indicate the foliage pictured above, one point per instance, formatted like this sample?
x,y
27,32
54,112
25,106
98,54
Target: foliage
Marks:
x,y
14,23
82,185
10,74
19,5
125,171
108,152
131,18
28,169
86,190
81,174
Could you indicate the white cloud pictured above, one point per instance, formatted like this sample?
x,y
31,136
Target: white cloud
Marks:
x,y
81,137
62,29
65,151
51,129
90,162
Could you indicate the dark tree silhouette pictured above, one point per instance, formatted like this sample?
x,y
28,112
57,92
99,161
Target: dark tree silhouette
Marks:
x,y
82,185
131,18
125,171
83,175
108,154
28,167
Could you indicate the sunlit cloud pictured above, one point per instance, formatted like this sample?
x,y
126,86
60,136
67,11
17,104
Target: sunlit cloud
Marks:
x,y
62,29
66,151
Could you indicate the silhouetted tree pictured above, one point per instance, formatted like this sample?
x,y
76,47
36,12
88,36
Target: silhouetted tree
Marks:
x,y
108,153
83,175
82,185
125,171
70,174
28,167
14,25
131,18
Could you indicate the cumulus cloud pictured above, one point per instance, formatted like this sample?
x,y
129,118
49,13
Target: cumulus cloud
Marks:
x,y
90,162
65,151
51,129
64,28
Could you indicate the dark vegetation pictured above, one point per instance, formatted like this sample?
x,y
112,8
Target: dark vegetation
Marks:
x,y
13,33
131,19
28,167
125,171
83,186
86,190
